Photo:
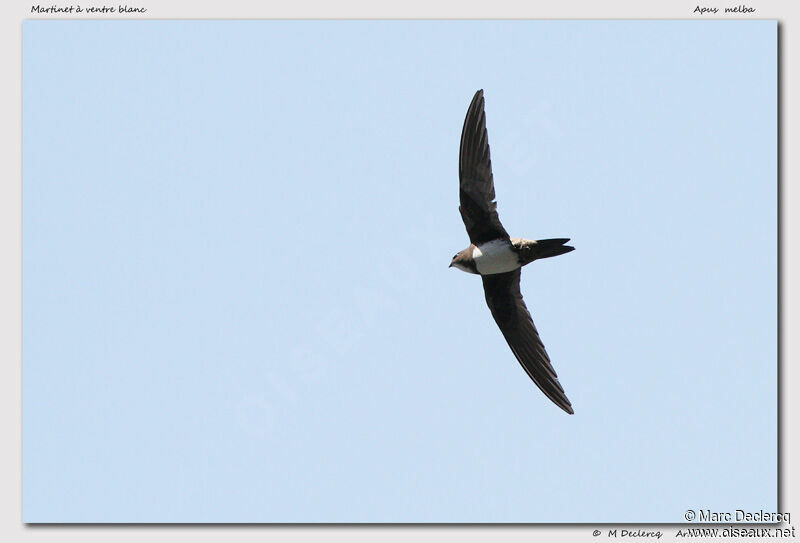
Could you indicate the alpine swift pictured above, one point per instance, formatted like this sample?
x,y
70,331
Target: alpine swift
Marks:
x,y
498,258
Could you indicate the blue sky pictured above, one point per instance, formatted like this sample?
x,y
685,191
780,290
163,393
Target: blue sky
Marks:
x,y
236,300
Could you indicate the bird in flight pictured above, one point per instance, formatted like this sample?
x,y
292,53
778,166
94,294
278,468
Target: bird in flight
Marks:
x,y
498,258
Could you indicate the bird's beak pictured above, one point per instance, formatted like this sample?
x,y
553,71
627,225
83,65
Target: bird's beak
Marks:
x,y
451,265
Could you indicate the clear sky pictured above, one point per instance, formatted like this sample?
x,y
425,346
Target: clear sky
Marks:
x,y
236,300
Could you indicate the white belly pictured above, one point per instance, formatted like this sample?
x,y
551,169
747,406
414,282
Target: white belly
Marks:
x,y
495,257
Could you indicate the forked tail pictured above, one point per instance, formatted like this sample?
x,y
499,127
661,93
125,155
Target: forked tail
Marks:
x,y
545,248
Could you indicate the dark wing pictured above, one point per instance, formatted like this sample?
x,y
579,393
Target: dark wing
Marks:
x,y
478,207
508,309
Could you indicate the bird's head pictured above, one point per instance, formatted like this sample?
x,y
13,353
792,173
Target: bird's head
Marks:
x,y
463,261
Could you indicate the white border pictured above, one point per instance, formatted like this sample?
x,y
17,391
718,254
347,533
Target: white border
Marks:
x,y
11,527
